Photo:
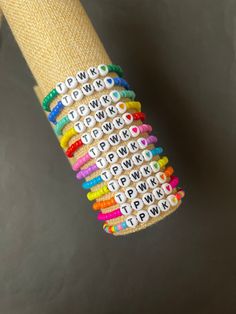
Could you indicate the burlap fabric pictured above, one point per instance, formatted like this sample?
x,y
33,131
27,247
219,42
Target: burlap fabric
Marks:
x,y
57,39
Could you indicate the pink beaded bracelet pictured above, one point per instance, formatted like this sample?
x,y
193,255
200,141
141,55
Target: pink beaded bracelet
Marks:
x,y
144,128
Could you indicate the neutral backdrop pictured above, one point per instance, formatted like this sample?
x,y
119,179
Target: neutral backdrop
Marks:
x,y
179,56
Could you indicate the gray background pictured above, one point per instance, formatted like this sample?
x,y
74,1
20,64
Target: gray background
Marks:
x,y
179,57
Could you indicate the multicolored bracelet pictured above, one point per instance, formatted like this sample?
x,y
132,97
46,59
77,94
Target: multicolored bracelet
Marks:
x,y
126,209
81,77
116,169
97,133
143,216
94,105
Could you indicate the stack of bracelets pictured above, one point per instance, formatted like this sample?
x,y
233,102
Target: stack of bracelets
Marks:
x,y
112,149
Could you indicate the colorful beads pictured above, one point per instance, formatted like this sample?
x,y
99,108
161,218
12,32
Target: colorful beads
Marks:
x,y
81,77
99,193
48,99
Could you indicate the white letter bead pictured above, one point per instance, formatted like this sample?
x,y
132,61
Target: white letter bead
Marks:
x,y
142,142
71,82
131,221
103,69
153,211
76,94
118,122
106,175
111,111
124,181
73,115
107,127
112,157
145,170
122,151
67,100
120,198
137,159
94,152
135,175
116,169
121,106
61,88
132,146
161,177
89,121
128,118
131,192
103,146
148,199
134,130
155,166
113,186
147,154
98,85
94,104
115,96
114,139
82,77
152,182
100,116
127,164
158,193
164,205
124,134
125,209
167,188
105,100
109,82
172,199
87,89
142,187
101,163
142,216
93,73
86,138
79,127
83,110
96,133
137,204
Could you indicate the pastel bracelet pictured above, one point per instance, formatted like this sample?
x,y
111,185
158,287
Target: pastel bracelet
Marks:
x,y
118,212
81,77
86,172
112,201
78,143
91,183
143,216
129,105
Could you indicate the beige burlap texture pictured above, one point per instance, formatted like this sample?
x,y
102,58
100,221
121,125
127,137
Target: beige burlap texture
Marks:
x,y
57,39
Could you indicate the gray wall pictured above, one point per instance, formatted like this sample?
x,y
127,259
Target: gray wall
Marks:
x,y
179,56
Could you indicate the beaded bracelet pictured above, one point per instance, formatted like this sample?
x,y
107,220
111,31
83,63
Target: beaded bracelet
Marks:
x,y
112,186
143,216
78,143
81,77
108,174
126,209
112,201
73,115
144,128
